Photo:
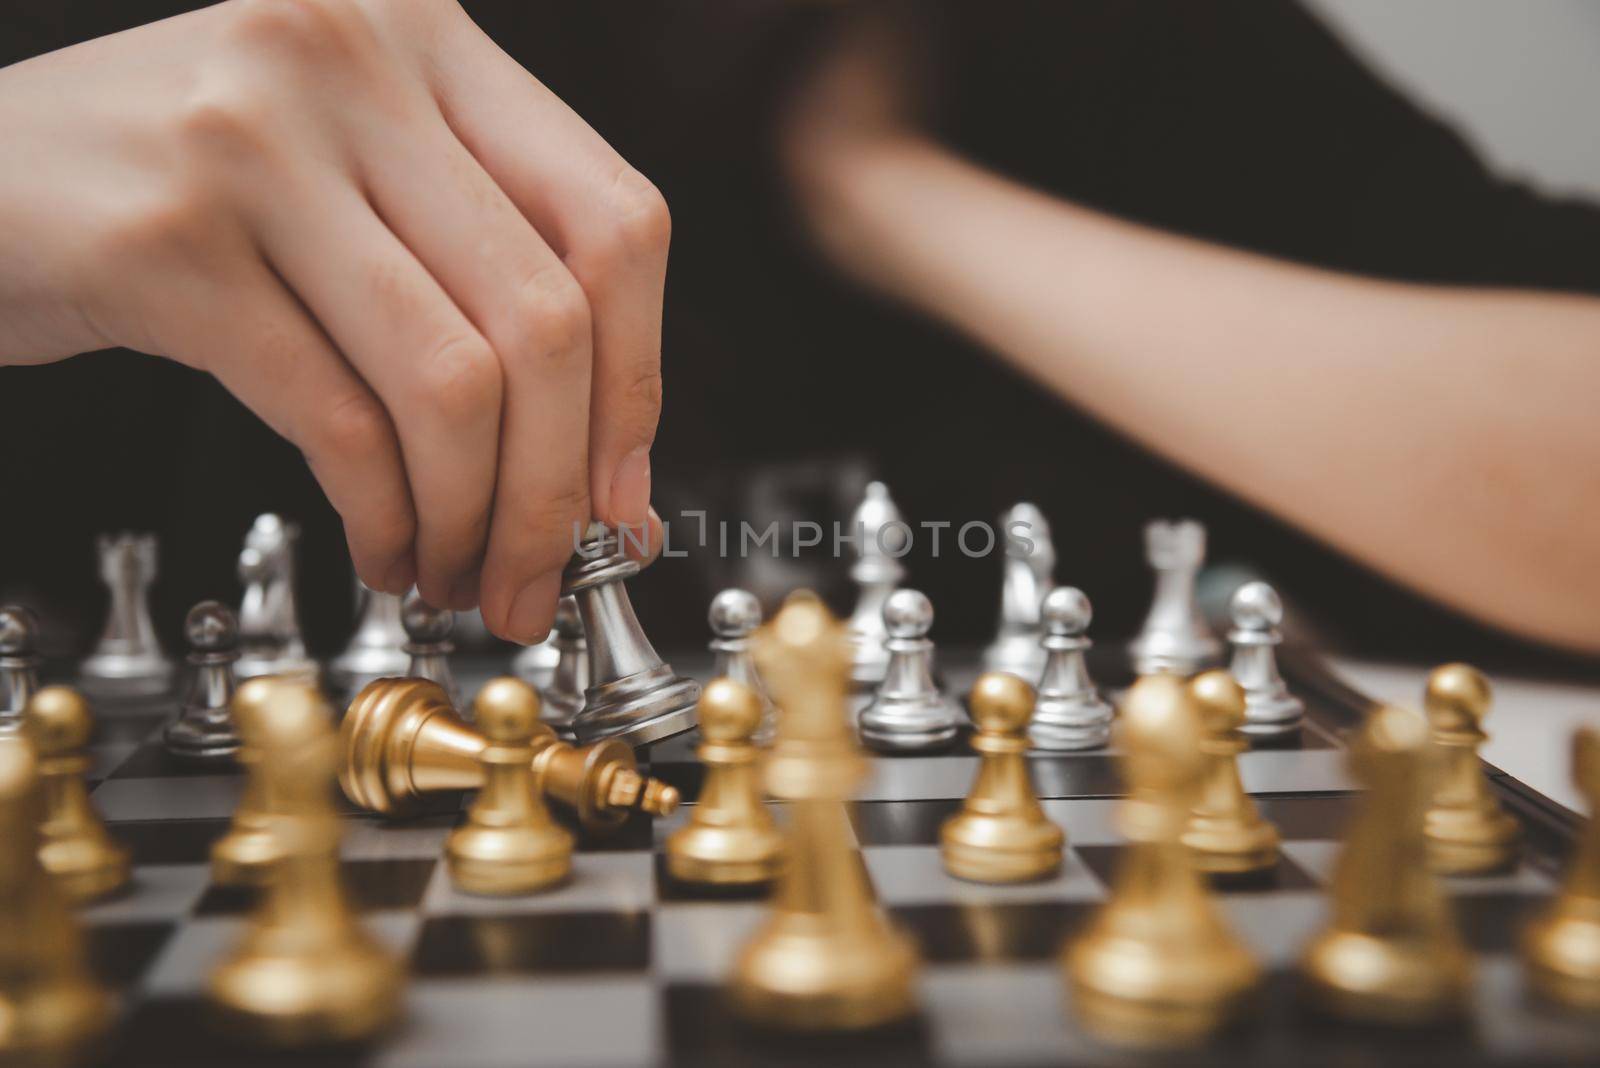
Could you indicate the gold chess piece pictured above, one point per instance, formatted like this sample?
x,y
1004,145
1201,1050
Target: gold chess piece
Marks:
x,y
509,843
305,971
1001,834
730,838
1391,952
402,739
1561,948
51,1009
243,855
75,846
1468,832
1226,833
826,958
1157,965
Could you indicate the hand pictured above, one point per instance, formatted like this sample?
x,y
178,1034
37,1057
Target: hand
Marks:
x,y
384,236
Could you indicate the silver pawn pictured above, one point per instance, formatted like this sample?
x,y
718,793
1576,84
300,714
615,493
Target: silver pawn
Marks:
x,y
376,649
1070,713
269,623
19,664
128,661
909,713
536,664
633,694
204,729
428,644
877,572
734,616
564,696
1270,710
1028,577
1175,637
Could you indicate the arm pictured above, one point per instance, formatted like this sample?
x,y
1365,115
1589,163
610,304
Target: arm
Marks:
x,y
1443,436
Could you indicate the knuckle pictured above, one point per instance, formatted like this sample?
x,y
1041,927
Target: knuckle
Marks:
x,y
224,124
545,524
638,227
461,381
354,426
176,224
305,30
642,394
552,319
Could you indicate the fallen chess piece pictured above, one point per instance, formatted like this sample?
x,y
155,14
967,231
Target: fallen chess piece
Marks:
x,y
402,739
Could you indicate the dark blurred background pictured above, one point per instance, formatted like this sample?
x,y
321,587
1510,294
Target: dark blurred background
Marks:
x,y
1244,121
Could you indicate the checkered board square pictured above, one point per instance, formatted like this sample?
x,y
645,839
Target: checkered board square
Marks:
x,y
624,965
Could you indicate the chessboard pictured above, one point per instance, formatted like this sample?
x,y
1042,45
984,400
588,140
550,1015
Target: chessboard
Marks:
x,y
625,965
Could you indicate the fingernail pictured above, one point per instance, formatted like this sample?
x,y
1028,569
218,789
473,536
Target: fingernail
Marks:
x,y
533,608
630,488
401,574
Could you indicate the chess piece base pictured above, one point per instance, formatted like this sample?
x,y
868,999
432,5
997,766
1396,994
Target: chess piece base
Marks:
x,y
498,862
242,856
1471,841
1356,976
1128,992
56,1025
1228,847
906,741
86,869
1562,953
725,856
1000,849
201,743
1056,730
120,677
795,978
640,708
1272,716
336,994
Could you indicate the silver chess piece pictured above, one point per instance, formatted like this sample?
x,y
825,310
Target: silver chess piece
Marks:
x,y
734,616
1029,566
269,622
376,649
428,644
536,663
19,664
882,537
909,713
204,729
128,661
1270,710
633,694
565,695
1069,713
1175,637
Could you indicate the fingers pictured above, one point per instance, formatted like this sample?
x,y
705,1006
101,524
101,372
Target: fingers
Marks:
x,y
609,224
535,316
291,376
434,372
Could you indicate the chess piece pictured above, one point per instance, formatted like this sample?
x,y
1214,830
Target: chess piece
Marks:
x,y
1226,834
564,697
75,847
1157,965
1390,953
1175,637
1270,710
633,695
908,713
128,661
1029,564
51,1009
402,738
305,972
1069,714
1001,835
509,843
881,539
1468,832
242,856
536,664
375,649
734,617
1561,947
269,621
826,957
730,839
204,728
428,644
19,664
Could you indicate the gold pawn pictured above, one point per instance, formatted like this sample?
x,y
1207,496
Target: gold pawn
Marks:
x,y
1561,948
827,958
730,839
1001,834
1468,832
402,738
1390,953
509,843
305,971
51,1009
1226,832
1157,966
75,846
243,854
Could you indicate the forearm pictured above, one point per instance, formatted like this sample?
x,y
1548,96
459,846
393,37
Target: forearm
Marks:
x,y
1445,437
